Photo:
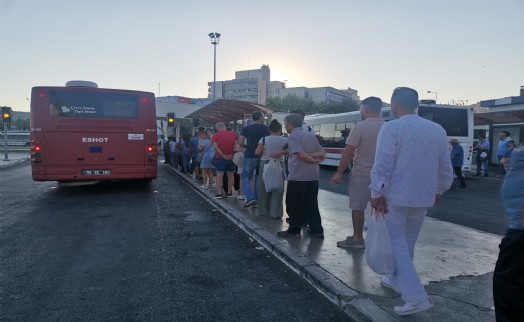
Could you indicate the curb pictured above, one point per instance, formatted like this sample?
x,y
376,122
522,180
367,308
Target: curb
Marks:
x,y
357,306
13,163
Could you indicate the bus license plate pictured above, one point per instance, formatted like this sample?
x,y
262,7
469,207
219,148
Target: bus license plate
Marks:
x,y
96,172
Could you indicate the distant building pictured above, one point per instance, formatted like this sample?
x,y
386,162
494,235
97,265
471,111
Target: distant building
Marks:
x,y
249,85
255,86
181,106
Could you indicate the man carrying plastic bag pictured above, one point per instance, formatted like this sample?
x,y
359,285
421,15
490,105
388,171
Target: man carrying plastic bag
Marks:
x,y
411,172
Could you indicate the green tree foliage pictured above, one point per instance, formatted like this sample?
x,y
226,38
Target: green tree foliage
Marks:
x,y
292,102
20,124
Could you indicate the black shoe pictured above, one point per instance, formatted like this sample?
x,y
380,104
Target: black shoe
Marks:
x,y
486,175
219,196
250,203
230,195
317,235
287,234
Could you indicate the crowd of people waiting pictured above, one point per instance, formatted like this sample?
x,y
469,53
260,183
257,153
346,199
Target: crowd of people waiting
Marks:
x,y
379,153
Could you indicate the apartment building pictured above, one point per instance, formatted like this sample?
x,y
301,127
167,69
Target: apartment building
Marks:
x,y
255,86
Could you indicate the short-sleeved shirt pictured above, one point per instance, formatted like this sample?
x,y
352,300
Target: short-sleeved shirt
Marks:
x,y
172,146
194,146
364,136
458,156
253,134
225,141
300,140
272,144
502,146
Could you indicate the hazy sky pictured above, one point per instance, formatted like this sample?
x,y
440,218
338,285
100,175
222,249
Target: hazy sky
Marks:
x,y
462,49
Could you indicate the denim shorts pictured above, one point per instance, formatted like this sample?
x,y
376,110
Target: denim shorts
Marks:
x,y
223,165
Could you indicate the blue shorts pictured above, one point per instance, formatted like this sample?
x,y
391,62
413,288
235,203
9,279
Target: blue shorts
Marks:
x,y
223,165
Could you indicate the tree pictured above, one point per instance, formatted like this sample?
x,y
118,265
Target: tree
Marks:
x,y
292,102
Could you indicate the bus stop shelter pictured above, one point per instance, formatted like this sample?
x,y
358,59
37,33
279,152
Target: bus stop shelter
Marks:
x,y
499,117
227,111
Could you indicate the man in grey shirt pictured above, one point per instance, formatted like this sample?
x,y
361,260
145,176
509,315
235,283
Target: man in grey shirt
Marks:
x,y
305,153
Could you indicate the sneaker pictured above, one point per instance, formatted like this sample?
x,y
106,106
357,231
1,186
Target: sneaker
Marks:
x,y
230,195
409,308
241,197
219,196
350,243
317,235
250,203
287,234
213,185
389,282
204,186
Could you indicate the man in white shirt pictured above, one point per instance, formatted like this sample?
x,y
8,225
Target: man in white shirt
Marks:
x,y
412,170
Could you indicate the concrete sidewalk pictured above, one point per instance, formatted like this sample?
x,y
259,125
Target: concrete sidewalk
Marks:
x,y
15,157
454,262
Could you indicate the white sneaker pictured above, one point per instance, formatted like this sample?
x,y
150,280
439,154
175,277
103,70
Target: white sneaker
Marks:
x,y
409,308
389,282
241,197
213,185
204,186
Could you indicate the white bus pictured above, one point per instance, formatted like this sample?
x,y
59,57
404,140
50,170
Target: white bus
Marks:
x,y
332,130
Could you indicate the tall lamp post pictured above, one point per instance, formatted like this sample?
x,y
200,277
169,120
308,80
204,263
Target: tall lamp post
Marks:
x,y
435,95
215,39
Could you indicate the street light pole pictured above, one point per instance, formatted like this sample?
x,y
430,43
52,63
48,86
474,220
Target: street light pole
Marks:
x,y
215,39
435,95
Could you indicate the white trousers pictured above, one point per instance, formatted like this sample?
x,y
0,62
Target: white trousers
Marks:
x,y
404,225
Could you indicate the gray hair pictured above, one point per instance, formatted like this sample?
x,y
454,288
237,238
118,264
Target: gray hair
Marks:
x,y
294,120
406,98
220,126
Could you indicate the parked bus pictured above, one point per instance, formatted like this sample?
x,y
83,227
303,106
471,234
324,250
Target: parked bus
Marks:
x,y
333,130
84,133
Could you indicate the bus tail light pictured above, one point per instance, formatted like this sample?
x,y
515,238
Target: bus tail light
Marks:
x,y
150,152
36,151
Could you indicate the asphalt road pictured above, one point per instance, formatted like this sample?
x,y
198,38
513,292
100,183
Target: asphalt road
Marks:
x,y
135,252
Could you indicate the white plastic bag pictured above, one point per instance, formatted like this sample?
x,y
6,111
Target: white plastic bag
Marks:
x,y
378,247
272,176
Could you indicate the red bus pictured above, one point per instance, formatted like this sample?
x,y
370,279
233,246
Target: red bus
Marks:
x,y
84,133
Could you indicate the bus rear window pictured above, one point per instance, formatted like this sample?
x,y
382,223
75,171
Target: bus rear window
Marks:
x,y
93,105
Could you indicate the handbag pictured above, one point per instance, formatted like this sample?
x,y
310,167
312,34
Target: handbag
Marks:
x,y
272,176
379,254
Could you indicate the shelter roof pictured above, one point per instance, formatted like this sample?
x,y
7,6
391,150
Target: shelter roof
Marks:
x,y
227,110
499,117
